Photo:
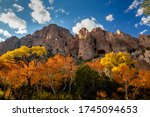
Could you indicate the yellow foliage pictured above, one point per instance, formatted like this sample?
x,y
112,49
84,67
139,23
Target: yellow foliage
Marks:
x,y
115,61
23,52
38,50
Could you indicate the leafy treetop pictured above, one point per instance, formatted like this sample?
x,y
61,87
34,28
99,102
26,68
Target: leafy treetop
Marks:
x,y
24,55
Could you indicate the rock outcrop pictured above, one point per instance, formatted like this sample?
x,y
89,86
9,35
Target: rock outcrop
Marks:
x,y
98,42
144,41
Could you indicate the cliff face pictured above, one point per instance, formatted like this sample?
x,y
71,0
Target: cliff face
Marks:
x,y
86,45
98,42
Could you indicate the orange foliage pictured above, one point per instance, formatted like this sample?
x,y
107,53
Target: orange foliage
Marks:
x,y
143,80
126,75
57,70
96,65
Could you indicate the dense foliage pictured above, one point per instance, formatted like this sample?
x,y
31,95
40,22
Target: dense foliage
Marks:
x,y
27,73
146,6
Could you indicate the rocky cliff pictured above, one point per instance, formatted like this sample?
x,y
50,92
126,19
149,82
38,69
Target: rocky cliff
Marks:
x,y
86,45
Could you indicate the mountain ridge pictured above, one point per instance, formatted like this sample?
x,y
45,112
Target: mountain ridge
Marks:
x,y
85,45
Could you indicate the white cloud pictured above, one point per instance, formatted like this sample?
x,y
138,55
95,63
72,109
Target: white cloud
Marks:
x,y
145,21
39,13
89,24
136,25
5,33
18,7
144,31
110,17
50,8
51,1
2,39
60,10
14,22
134,5
140,12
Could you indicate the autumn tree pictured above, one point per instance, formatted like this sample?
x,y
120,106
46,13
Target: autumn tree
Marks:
x,y
113,61
4,69
95,65
121,67
144,81
24,59
125,76
24,55
58,71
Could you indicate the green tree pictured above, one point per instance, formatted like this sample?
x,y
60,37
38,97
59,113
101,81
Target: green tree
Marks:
x,y
86,81
146,6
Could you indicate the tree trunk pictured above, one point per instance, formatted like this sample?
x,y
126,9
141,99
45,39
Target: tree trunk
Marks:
x,y
29,88
126,91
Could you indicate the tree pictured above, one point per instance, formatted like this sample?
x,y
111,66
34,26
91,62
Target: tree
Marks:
x,y
4,69
113,61
57,72
146,6
24,55
95,65
121,67
86,81
24,60
125,76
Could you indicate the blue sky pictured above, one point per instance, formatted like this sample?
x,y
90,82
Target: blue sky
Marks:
x,y
22,17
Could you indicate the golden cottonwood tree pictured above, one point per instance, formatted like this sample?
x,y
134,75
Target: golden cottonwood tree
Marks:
x,y
122,68
23,62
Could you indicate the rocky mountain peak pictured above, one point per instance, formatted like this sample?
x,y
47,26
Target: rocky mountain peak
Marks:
x,y
83,33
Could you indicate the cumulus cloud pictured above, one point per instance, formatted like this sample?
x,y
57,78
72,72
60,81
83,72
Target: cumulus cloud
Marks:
x,y
110,18
143,32
134,5
18,7
89,24
39,13
14,22
5,33
51,1
145,21
140,12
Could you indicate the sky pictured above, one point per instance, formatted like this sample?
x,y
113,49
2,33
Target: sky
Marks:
x,y
22,17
